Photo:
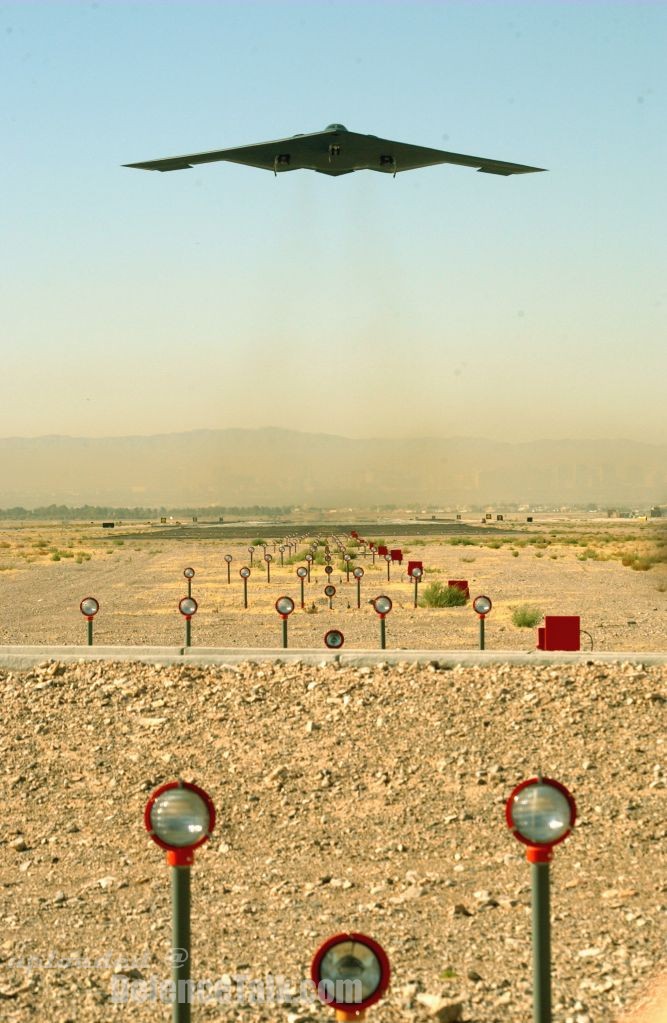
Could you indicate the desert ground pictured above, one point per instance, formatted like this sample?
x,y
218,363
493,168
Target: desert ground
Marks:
x,y
613,574
347,799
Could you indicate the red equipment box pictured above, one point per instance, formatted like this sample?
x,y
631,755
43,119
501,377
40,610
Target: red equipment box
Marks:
x,y
560,632
397,555
460,584
382,551
414,564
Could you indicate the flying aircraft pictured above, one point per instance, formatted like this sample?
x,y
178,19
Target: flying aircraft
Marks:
x,y
335,151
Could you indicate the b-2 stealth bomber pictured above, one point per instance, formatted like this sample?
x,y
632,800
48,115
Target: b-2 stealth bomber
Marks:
x,y
335,151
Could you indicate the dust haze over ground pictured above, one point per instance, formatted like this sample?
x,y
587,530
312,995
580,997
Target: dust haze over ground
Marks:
x,y
288,465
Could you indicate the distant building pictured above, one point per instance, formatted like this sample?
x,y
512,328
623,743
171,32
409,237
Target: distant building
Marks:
x,y
656,512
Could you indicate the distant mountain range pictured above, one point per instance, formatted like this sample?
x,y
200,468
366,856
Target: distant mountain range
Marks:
x,y
284,467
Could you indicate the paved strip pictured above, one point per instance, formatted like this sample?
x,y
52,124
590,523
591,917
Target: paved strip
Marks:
x,y
29,656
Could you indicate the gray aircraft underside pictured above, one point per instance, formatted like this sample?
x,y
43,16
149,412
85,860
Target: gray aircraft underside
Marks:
x,y
335,151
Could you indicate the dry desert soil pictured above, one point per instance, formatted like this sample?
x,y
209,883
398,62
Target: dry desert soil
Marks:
x,y
348,798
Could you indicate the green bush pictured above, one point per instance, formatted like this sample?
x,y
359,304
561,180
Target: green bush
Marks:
x,y
525,616
436,594
258,543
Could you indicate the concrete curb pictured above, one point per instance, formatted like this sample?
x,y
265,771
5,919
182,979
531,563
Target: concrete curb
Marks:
x,y
28,656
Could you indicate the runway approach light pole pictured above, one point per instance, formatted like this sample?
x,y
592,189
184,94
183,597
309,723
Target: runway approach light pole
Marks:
x,y
251,552
268,559
282,554
245,574
180,817
358,574
482,605
383,606
330,592
540,813
334,639
302,574
416,574
189,574
387,558
309,561
350,972
284,607
188,607
228,559
89,608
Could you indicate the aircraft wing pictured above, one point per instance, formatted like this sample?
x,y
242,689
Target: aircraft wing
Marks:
x,y
335,151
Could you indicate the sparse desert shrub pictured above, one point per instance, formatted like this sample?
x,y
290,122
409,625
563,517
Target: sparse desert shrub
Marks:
x,y
312,610
55,556
525,616
4,545
41,544
494,544
461,541
259,542
118,543
436,594
539,554
467,558
515,554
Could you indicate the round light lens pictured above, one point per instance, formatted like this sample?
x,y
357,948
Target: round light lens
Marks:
x,y
282,548
382,605
189,573
387,557
228,558
334,639
268,557
309,557
358,572
302,572
251,549
187,606
482,605
330,591
244,572
541,814
328,569
416,573
284,605
89,606
355,963
180,817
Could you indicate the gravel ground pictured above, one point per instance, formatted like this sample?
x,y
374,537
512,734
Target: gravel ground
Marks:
x,y
139,587
348,799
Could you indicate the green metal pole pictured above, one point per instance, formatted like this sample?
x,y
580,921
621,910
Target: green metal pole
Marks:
x,y
189,587
481,632
180,968
284,633
188,631
90,632
541,943
383,634
245,593
330,603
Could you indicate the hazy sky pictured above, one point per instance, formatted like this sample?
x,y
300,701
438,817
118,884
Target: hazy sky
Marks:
x,y
442,301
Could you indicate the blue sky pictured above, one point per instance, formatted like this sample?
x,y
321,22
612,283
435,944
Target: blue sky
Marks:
x,y
441,302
